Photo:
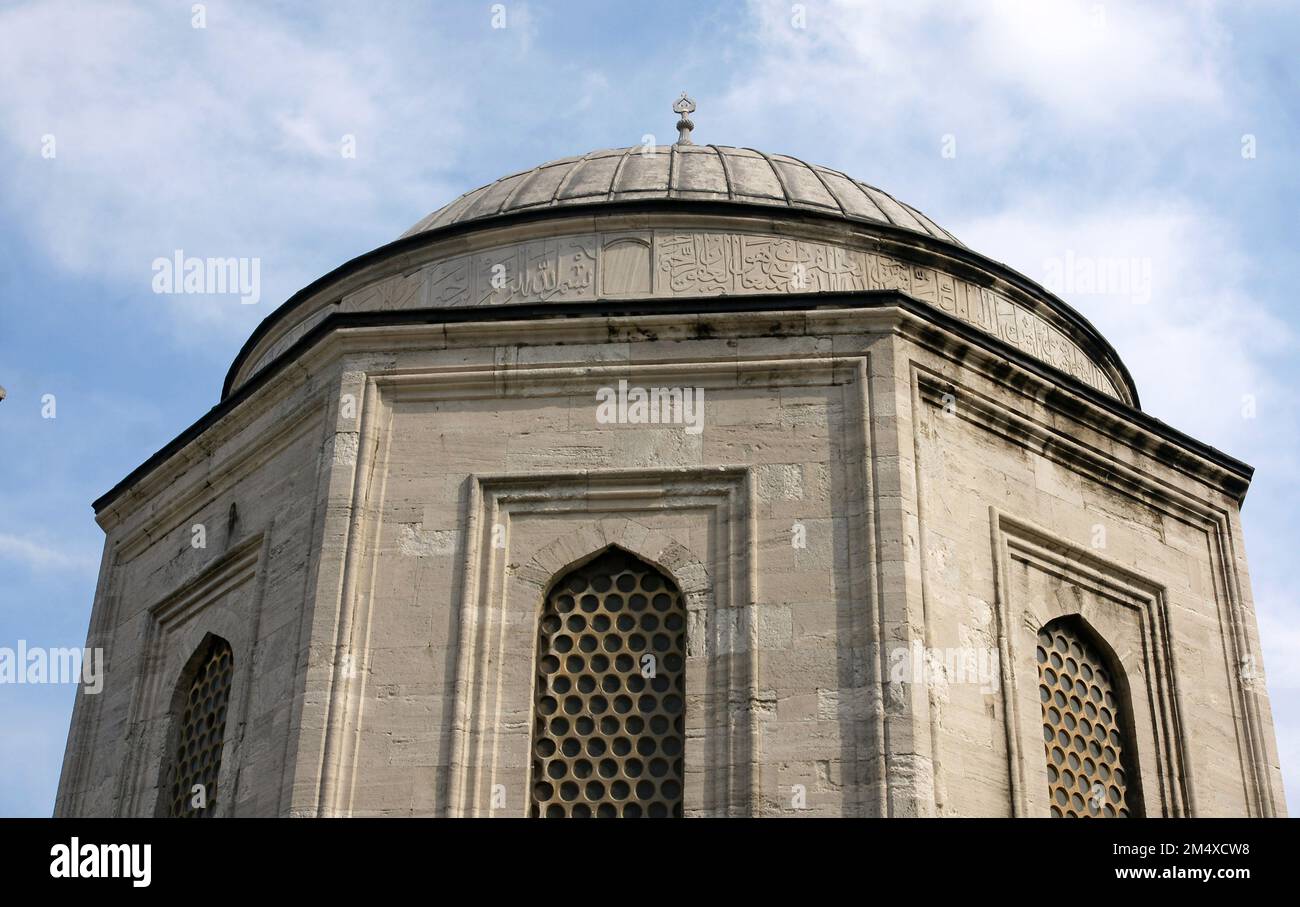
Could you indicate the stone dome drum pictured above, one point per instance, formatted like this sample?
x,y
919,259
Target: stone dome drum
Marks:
x,y
668,224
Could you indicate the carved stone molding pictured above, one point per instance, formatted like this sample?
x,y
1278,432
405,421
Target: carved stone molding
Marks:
x,y
222,601
503,592
1131,615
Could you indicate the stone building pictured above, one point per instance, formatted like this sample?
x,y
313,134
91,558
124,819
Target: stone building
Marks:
x,y
678,480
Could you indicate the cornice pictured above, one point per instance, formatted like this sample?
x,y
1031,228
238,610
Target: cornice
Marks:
x,y
707,317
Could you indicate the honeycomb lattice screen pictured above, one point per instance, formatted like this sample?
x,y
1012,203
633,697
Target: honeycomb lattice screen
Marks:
x,y
1083,729
610,693
197,757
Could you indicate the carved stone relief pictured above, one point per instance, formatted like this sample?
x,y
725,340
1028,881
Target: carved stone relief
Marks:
x,y
667,263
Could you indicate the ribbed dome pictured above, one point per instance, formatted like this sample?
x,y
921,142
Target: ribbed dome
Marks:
x,y
697,172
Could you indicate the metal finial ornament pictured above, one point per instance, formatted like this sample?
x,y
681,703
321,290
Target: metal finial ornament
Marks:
x,y
684,106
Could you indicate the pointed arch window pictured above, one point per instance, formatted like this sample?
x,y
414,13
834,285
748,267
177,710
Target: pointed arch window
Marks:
x,y
609,703
200,704
1087,734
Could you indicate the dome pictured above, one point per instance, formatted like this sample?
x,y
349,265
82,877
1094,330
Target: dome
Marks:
x,y
716,173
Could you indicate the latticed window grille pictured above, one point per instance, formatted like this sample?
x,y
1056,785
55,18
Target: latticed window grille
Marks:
x,y
608,725
1084,715
201,731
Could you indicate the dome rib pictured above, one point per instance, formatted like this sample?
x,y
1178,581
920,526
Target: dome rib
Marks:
x,y
618,170
568,179
843,187
743,176
816,171
510,196
726,171
780,179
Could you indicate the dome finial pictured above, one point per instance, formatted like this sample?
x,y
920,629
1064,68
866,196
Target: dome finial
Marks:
x,y
684,106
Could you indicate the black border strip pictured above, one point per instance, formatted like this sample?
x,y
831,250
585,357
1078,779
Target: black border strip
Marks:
x,y
407,244
940,858
714,305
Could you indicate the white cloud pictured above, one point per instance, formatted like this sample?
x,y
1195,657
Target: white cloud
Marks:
x,y
990,73
1096,62
38,556
223,141
1200,344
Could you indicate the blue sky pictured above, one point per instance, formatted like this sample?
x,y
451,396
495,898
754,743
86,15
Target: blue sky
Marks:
x,y
1107,132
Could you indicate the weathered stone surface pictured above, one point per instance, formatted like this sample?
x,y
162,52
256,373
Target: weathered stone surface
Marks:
x,y
681,171
877,514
